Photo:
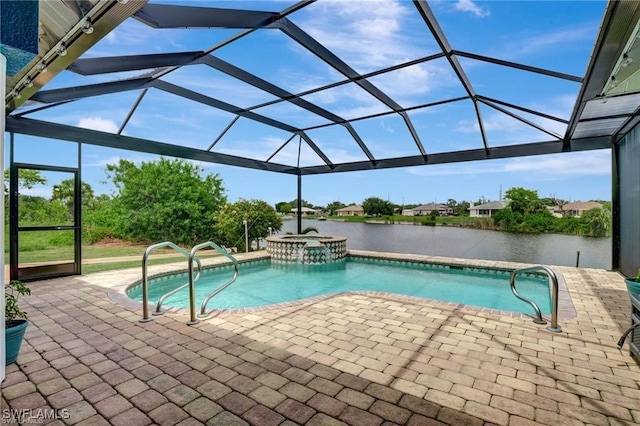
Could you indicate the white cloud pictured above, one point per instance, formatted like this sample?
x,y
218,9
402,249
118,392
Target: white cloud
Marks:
x,y
407,84
552,40
367,35
471,7
99,124
557,165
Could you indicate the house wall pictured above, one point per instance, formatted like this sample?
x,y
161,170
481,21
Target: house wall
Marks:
x,y
481,213
626,191
350,213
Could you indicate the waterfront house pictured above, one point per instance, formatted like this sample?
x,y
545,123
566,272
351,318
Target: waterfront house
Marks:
x,y
352,210
487,209
306,211
426,209
576,208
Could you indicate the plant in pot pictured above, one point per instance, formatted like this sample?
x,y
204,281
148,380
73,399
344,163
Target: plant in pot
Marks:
x,y
633,284
15,319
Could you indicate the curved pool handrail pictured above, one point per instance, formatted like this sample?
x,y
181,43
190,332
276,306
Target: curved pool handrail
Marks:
x,y
145,285
192,293
158,310
553,281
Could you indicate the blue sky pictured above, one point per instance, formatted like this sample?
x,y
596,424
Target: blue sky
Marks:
x,y
368,35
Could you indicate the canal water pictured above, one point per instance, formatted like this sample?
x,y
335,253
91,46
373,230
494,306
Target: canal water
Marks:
x,y
547,249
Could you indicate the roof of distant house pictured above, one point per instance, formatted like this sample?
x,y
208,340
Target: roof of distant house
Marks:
x,y
581,205
351,208
431,206
493,205
304,210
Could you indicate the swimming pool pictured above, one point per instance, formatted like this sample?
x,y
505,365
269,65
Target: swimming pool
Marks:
x,y
263,283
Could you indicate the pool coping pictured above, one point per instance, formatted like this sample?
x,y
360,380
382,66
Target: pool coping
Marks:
x,y
566,308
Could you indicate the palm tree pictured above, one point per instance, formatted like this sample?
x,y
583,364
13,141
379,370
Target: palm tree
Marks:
x,y
65,190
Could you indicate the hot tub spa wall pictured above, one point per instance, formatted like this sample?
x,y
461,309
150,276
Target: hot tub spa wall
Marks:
x,y
286,249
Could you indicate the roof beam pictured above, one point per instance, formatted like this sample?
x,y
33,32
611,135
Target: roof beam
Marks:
x,y
176,16
516,65
206,100
431,21
48,130
364,76
521,119
316,149
164,71
527,110
261,84
133,109
94,66
281,147
78,92
327,56
500,152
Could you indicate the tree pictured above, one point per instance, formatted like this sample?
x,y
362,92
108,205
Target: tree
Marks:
x,y
304,203
260,216
541,221
506,219
597,222
27,179
65,190
521,199
165,200
101,220
333,206
374,206
461,209
283,207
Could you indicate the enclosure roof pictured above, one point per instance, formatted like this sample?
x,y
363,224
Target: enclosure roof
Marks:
x,y
329,86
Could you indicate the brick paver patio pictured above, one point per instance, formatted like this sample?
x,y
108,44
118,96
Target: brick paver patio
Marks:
x,y
357,359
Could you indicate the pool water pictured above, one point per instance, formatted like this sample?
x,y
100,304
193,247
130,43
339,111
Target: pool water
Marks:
x,y
265,283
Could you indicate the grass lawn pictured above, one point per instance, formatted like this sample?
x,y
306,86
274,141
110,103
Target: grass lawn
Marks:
x,y
95,251
90,268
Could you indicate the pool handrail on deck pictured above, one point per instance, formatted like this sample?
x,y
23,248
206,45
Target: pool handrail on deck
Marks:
x,y
192,294
553,282
145,285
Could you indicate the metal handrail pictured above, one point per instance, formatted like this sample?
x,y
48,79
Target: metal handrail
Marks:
x,y
145,286
192,293
553,281
158,310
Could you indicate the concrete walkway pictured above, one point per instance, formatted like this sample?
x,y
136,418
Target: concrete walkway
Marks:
x,y
357,359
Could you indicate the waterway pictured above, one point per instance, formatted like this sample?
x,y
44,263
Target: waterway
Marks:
x,y
547,249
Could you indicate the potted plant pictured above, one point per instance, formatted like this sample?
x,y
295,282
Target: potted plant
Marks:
x,y
633,284
15,319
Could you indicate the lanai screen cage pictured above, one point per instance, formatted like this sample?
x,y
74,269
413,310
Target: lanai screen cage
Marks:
x,y
315,87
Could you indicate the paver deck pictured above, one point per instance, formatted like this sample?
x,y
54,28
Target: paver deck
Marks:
x,y
357,359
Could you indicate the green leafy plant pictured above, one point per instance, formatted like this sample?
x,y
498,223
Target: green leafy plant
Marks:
x,y
12,310
637,277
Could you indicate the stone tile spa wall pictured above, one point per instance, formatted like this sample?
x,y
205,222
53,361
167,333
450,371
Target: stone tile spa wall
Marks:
x,y
306,249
